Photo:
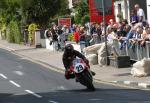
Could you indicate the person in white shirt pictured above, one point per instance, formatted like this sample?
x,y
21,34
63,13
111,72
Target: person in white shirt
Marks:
x,y
140,13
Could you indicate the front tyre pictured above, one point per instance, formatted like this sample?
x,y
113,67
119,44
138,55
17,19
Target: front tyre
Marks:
x,y
86,79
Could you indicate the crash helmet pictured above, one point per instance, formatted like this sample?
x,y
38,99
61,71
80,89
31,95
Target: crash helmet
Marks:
x,y
69,48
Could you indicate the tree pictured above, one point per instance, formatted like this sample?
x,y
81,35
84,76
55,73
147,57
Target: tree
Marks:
x,y
25,12
9,12
38,11
81,9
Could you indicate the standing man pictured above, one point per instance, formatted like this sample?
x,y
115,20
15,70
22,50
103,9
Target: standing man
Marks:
x,y
54,36
140,14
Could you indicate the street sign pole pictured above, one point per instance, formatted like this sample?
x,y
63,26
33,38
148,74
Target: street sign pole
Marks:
x,y
104,21
101,6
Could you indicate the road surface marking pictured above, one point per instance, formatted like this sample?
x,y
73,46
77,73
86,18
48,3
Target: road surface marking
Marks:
x,y
61,88
20,73
53,102
14,83
20,66
2,75
96,99
10,49
30,92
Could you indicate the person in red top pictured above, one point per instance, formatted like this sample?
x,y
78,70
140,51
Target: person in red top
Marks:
x,y
76,35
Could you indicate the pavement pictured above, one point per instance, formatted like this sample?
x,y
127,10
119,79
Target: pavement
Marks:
x,y
106,74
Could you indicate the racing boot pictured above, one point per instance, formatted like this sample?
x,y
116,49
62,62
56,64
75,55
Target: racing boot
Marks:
x,y
93,73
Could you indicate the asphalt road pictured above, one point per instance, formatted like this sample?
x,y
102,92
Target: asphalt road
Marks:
x,y
22,81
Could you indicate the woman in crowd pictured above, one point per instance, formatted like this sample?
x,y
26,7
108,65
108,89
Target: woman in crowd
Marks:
x,y
82,38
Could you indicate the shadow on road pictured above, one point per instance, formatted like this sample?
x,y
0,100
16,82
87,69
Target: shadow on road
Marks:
x,y
81,96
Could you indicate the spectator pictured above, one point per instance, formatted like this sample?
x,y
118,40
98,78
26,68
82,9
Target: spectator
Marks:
x,y
88,34
94,35
93,29
65,30
145,36
137,35
127,28
133,18
54,37
147,33
60,38
73,28
129,35
111,35
110,25
140,14
47,35
76,34
99,32
121,29
102,28
25,36
82,39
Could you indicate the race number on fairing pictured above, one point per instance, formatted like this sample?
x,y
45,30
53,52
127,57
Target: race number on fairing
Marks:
x,y
79,67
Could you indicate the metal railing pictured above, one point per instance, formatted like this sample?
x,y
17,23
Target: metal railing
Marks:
x,y
135,51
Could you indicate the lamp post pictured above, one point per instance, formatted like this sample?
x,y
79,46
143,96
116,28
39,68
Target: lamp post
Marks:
x,y
104,21
100,6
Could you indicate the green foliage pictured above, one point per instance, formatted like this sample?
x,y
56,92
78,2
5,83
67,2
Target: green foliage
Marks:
x,y
64,8
32,27
3,27
55,20
14,35
10,34
40,11
17,33
2,24
25,12
72,19
81,10
71,37
85,19
10,10
77,19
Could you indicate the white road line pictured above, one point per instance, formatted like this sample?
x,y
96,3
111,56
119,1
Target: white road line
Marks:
x,y
10,49
95,99
61,88
30,92
20,73
53,102
14,83
2,75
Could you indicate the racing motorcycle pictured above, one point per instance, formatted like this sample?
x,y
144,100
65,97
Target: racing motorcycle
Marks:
x,y
82,73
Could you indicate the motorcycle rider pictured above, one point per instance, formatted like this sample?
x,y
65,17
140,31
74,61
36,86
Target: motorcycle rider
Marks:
x,y
68,56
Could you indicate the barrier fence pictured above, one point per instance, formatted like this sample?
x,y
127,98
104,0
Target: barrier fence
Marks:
x,y
135,51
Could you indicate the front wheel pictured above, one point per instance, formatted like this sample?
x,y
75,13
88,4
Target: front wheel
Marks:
x,y
86,79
